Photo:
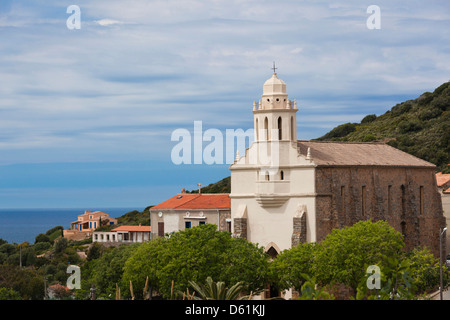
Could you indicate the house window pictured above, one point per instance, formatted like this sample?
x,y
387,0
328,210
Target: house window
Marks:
x,y
90,225
187,225
201,223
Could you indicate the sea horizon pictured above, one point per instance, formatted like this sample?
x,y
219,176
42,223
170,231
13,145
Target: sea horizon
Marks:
x,y
18,225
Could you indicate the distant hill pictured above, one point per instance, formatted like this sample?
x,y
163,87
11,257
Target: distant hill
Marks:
x,y
222,186
420,127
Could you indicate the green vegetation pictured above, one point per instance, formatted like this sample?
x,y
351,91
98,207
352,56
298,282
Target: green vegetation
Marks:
x,y
215,291
420,127
344,257
135,217
222,186
182,265
194,255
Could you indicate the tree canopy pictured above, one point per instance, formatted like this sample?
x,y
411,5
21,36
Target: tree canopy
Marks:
x,y
193,255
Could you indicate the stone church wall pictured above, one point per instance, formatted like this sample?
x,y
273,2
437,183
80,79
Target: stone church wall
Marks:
x,y
406,197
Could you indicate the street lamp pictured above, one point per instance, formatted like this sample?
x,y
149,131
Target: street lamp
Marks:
x,y
440,260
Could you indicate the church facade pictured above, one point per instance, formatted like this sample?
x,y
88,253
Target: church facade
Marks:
x,y
286,191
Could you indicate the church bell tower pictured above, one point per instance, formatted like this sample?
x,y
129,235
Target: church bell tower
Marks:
x,y
275,115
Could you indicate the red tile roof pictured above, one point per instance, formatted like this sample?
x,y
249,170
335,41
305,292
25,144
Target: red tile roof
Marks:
x,y
442,179
133,228
197,201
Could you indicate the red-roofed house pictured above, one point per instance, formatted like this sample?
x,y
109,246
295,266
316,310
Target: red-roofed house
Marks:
x,y
443,182
187,210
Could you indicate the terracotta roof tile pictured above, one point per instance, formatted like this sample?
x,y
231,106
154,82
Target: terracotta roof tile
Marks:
x,y
358,154
442,179
196,201
133,228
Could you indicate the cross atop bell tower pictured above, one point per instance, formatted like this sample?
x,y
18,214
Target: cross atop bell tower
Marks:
x,y
274,68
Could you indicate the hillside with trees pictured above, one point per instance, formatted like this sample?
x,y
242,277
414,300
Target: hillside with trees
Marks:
x,y
420,127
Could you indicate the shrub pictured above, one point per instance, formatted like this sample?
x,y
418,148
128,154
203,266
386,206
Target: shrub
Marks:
x,y
369,118
430,113
409,126
54,229
9,294
60,245
42,238
340,131
369,137
400,109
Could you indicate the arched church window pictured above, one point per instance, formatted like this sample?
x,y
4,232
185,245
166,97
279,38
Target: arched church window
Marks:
x,y
272,252
279,128
403,228
281,175
256,127
266,128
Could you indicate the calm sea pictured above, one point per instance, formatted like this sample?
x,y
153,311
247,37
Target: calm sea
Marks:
x,y
19,225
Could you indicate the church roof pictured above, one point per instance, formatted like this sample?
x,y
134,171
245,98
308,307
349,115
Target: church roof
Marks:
x,y
274,85
196,201
324,153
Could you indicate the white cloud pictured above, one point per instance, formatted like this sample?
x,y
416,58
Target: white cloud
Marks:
x,y
164,64
108,22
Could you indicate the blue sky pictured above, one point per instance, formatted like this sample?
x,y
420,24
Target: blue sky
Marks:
x,y
86,115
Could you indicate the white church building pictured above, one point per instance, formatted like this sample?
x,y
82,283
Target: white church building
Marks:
x,y
262,188
286,191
